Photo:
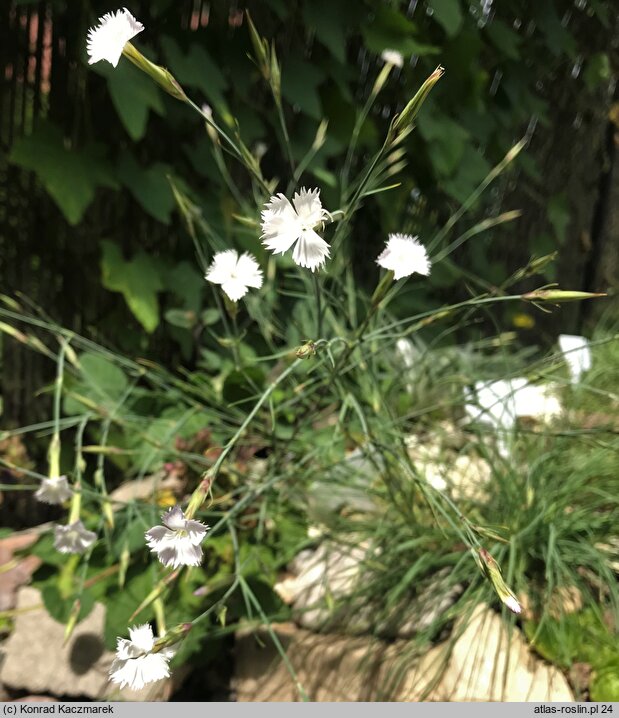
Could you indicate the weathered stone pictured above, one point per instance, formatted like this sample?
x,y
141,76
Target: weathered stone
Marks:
x,y
322,576
36,699
15,572
320,587
328,667
37,661
490,662
486,662
146,488
463,476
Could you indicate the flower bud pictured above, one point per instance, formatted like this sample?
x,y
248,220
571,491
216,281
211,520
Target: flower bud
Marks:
x,y
306,350
410,112
157,73
493,571
174,635
560,295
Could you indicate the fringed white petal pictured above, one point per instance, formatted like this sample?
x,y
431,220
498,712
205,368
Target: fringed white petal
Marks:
x,y
106,40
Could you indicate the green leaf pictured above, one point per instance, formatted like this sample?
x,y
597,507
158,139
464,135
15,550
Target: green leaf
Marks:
x,y
390,29
106,379
45,550
133,95
581,637
69,176
211,361
195,68
470,172
242,384
183,318
121,604
597,70
210,316
330,20
187,283
150,187
448,14
59,608
157,443
300,81
447,141
504,39
136,279
100,380
605,685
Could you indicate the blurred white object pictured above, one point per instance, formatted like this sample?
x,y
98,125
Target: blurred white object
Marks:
x,y
577,353
407,351
500,403
494,402
393,57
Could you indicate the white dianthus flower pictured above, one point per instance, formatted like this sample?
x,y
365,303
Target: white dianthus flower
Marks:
x,y
235,273
404,255
107,40
135,664
393,56
177,542
285,224
54,490
73,538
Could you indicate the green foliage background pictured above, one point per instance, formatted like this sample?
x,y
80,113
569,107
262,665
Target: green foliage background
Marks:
x,y
106,249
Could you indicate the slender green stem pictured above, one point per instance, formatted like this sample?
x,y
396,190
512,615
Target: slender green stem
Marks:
x,y
361,118
318,306
54,447
230,142
282,124
269,390
474,196
235,341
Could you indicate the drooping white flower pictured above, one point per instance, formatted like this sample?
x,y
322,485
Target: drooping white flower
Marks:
x,y
393,56
54,490
177,542
512,603
235,273
577,354
285,224
73,538
107,39
135,665
404,255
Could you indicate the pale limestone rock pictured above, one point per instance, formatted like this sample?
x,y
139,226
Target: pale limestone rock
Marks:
x,y
475,667
490,662
35,659
328,667
321,583
144,489
463,476
322,576
14,571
